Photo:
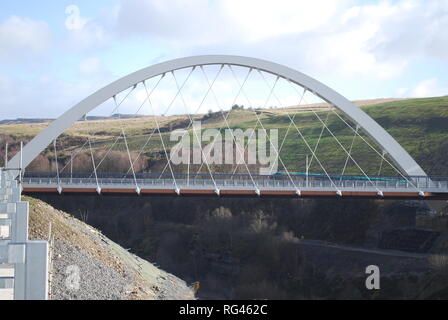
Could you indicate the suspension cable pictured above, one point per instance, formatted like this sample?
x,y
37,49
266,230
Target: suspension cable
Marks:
x,y
343,148
256,124
228,113
381,163
319,139
127,147
98,189
107,153
288,129
154,130
227,124
56,160
303,138
161,138
383,157
117,105
86,142
348,154
169,106
306,143
191,123
292,119
349,151
194,131
118,138
263,128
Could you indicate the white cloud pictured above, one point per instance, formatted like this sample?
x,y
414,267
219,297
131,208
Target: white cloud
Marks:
x,y
426,88
186,22
45,96
261,19
84,33
321,34
414,28
91,66
203,22
377,40
22,36
74,21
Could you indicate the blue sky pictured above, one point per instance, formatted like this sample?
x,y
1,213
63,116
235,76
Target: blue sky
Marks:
x,y
55,53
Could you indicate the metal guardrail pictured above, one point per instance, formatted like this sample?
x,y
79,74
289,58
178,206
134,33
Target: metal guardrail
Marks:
x,y
23,263
421,183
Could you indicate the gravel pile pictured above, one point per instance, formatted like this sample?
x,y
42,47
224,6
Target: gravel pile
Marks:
x,y
86,265
76,275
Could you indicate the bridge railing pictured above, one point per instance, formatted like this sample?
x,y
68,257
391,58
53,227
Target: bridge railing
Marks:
x,y
312,182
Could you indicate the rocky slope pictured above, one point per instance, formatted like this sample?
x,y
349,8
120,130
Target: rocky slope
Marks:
x,y
86,265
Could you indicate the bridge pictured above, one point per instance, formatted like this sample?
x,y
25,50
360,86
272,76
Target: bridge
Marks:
x,y
410,180
337,151
226,185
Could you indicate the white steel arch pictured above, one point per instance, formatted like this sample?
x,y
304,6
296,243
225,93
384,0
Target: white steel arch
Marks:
x,y
400,157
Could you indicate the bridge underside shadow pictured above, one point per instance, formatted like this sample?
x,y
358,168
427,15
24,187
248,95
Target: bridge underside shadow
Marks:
x,y
248,194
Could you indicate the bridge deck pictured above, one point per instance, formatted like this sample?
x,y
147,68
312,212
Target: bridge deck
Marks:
x,y
379,189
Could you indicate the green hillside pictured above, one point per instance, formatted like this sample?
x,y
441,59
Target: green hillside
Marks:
x,y
419,125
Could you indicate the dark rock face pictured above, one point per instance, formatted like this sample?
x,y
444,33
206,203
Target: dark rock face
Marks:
x,y
408,239
400,215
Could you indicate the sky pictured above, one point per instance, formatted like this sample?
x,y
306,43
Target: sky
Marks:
x,y
53,54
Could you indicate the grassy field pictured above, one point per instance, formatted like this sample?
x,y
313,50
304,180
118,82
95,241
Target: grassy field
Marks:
x,y
419,125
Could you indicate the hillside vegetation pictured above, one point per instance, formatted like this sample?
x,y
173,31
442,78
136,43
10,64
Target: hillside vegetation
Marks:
x,y
419,125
